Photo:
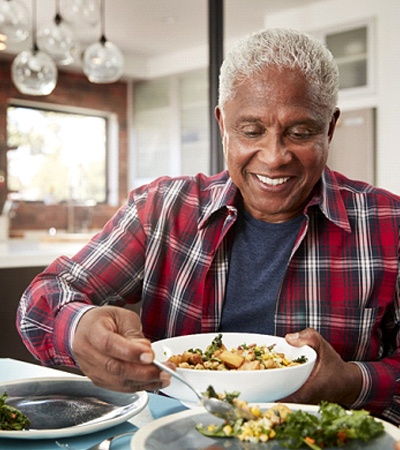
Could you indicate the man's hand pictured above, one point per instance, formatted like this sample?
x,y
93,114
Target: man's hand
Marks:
x,y
332,379
111,350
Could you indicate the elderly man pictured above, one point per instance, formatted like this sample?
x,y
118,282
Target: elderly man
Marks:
x,y
277,244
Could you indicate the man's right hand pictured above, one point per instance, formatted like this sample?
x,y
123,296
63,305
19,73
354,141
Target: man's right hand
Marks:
x,y
111,350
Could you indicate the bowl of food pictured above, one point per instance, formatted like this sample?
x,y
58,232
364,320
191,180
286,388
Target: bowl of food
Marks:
x,y
262,368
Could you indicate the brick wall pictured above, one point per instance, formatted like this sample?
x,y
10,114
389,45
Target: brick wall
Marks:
x,y
73,89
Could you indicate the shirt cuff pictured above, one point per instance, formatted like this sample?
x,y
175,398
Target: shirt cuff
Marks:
x,y
64,331
378,387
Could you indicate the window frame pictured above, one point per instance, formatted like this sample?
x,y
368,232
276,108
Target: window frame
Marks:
x,y
112,164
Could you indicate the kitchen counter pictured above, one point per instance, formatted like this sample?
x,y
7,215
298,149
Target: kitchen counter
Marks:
x,y
35,253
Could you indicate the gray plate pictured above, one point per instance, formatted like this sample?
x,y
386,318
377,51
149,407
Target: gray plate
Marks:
x,y
178,432
61,407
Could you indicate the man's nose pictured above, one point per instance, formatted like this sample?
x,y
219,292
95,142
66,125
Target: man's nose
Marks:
x,y
273,151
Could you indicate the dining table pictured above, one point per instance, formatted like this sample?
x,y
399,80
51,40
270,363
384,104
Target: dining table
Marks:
x,y
158,406
168,421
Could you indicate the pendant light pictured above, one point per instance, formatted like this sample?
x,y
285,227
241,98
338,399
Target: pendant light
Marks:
x,y
14,21
33,71
103,62
57,39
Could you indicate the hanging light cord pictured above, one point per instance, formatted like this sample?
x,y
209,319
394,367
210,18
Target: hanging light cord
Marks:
x,y
103,39
58,18
35,47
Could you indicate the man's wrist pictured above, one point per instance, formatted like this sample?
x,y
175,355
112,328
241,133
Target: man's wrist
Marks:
x,y
354,382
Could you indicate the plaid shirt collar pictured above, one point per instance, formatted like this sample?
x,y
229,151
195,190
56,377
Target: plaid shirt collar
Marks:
x,y
326,196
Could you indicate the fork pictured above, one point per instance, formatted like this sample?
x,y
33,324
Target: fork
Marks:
x,y
103,445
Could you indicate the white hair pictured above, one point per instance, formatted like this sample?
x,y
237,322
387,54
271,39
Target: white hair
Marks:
x,y
281,49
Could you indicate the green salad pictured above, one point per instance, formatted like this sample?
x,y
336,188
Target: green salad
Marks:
x,y
11,418
333,426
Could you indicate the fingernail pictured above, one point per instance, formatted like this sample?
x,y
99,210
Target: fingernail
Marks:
x,y
293,336
146,358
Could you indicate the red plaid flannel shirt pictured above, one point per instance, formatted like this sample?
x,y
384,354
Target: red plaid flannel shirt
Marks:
x,y
169,248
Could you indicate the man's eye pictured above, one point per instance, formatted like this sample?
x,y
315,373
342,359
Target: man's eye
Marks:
x,y
301,134
252,132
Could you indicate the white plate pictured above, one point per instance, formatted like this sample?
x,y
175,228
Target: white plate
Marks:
x,y
61,407
177,431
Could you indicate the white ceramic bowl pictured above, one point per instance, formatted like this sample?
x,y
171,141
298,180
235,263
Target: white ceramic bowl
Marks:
x,y
254,385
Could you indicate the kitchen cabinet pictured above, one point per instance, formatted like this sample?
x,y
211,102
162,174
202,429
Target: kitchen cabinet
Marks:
x,y
352,47
350,51
13,282
20,261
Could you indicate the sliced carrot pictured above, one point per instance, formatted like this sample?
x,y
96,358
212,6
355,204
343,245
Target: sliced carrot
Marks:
x,y
342,436
310,440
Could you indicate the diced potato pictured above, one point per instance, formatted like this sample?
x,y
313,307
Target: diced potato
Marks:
x,y
217,353
196,360
186,356
175,359
269,364
250,365
230,359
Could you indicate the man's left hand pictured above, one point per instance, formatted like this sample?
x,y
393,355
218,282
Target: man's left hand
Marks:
x,y
332,379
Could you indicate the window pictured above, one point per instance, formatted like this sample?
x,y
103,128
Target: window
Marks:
x,y
57,156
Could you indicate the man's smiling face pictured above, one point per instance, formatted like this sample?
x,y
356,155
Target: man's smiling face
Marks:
x,y
276,138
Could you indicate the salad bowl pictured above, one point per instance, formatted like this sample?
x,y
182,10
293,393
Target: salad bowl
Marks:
x,y
253,385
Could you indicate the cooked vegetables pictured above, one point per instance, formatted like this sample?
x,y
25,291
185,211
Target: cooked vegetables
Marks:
x,y
332,427
11,418
245,357
260,428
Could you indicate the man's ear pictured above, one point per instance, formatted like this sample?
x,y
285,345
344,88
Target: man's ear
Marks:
x,y
333,123
220,119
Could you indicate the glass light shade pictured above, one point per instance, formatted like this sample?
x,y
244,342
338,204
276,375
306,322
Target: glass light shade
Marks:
x,y
103,62
34,73
14,20
57,39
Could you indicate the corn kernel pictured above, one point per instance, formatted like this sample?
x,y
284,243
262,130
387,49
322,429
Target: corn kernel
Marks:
x,y
227,430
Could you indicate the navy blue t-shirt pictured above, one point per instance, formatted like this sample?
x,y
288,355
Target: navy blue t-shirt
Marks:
x,y
258,262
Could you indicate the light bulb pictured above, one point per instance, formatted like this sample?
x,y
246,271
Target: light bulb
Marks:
x,y
103,62
58,41
14,21
34,72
